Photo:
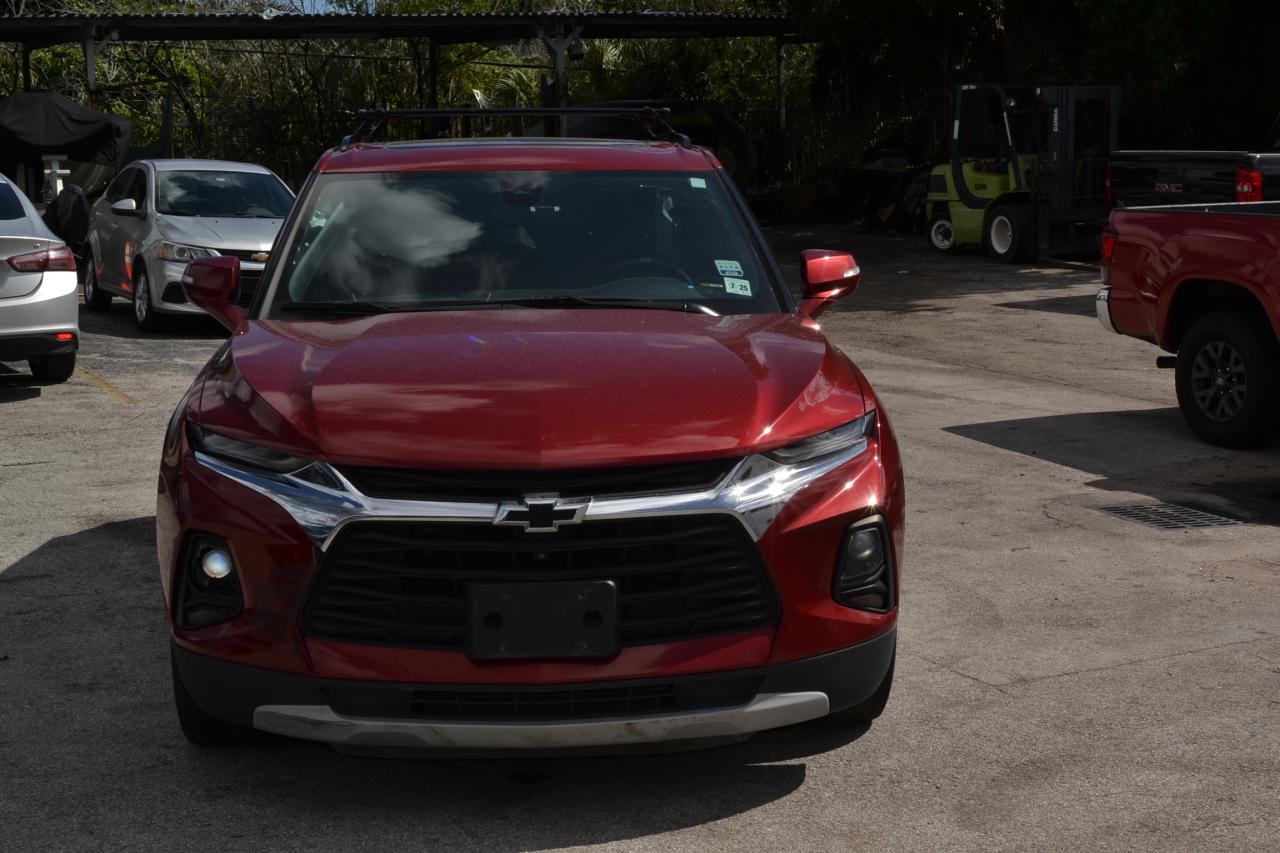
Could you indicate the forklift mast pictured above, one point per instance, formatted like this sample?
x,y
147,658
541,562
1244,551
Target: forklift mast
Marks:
x,y
1034,157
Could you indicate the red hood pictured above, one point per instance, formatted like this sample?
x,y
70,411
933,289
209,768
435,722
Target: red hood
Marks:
x,y
530,388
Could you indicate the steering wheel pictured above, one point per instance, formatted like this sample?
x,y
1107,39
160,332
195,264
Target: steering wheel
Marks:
x,y
612,273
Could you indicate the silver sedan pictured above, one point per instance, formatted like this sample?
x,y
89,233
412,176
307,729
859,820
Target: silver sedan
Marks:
x,y
39,321
158,215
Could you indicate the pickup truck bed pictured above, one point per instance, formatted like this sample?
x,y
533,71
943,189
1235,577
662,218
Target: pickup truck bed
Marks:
x,y
1203,281
1138,178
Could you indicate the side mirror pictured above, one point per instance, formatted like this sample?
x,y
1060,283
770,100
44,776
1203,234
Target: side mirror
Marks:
x,y
212,284
828,275
125,207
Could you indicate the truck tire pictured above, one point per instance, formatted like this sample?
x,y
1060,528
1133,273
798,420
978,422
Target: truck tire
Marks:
x,y
942,236
1008,236
1227,376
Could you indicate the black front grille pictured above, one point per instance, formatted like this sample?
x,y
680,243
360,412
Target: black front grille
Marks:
x,y
413,484
404,583
248,282
242,254
558,702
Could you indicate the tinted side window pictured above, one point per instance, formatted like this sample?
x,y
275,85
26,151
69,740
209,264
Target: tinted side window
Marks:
x,y
116,191
138,188
10,207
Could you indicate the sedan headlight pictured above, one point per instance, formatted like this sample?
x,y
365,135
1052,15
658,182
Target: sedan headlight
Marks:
x,y
182,253
243,453
824,444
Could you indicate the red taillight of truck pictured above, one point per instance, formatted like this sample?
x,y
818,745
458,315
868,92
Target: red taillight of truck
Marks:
x,y
1248,185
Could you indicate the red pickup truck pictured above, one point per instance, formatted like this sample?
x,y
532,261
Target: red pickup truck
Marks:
x,y
1203,281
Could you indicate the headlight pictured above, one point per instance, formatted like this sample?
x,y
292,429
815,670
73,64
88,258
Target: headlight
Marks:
x,y
826,443
243,453
182,253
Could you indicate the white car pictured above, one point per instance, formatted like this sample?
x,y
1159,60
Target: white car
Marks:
x,y
157,215
39,321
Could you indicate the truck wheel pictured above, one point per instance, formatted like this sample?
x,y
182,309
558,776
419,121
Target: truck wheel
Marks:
x,y
53,368
201,728
1008,233
1228,379
869,709
942,235
95,298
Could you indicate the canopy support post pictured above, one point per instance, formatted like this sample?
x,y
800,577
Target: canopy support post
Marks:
x,y
563,42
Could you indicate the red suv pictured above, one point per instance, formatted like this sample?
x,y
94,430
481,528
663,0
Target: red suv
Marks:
x,y
524,443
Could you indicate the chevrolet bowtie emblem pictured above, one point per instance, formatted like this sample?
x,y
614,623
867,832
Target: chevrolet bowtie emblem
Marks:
x,y
260,257
542,513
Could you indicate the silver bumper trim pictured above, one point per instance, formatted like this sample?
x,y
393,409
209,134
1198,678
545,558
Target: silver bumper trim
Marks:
x,y
1102,304
321,723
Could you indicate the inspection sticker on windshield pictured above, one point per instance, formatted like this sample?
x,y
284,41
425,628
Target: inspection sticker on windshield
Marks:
x,y
698,183
740,286
732,268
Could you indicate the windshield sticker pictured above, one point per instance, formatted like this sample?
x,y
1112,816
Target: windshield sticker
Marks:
x,y
698,183
740,286
732,268
711,285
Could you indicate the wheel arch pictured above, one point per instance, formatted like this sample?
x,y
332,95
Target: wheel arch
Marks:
x,y
1195,296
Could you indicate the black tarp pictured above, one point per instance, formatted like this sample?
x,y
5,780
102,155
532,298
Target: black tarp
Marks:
x,y
33,124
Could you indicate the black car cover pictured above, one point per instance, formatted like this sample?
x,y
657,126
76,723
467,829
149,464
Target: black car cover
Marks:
x,y
33,124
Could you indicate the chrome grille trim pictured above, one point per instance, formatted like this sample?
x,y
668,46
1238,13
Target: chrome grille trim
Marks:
x,y
754,492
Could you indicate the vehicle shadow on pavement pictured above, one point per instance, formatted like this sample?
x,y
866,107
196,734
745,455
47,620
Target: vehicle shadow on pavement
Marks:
x,y
117,322
87,724
1149,452
16,386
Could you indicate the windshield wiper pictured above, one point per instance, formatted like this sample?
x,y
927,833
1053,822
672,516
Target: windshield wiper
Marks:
x,y
565,301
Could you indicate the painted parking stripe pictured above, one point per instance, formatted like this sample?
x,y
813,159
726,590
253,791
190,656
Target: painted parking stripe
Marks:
x,y
103,385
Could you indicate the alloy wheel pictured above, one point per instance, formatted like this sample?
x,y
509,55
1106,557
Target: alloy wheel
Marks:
x,y
1219,381
141,298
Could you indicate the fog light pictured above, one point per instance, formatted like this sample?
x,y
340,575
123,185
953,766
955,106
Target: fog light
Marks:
x,y
207,584
863,577
216,564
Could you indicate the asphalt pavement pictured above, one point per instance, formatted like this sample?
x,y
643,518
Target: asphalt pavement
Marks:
x,y
1067,678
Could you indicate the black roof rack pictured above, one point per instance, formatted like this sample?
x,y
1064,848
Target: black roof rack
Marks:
x,y
653,119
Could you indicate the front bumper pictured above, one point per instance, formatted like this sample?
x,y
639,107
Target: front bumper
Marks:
x,y
299,706
170,298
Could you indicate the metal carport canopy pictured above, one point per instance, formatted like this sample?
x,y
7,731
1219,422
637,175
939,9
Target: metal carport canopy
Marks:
x,y
36,31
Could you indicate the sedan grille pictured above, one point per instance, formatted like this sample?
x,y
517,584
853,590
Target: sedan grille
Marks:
x,y
404,583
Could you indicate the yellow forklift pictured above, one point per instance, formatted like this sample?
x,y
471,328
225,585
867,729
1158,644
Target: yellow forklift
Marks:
x,y
1027,174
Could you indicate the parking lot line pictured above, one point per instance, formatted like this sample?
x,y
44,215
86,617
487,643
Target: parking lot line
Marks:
x,y
103,385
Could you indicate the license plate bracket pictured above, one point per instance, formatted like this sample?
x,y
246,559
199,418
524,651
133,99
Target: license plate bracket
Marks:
x,y
542,619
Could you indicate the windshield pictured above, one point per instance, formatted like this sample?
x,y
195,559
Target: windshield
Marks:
x,y
423,241
220,193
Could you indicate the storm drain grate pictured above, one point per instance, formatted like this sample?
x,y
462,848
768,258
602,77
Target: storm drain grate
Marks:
x,y
1172,516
